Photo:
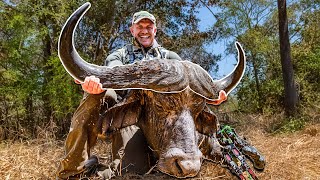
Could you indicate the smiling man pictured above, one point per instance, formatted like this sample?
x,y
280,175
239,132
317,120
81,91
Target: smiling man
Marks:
x,y
144,45
143,28
96,101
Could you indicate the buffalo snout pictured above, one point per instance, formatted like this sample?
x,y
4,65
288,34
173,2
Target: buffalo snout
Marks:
x,y
180,164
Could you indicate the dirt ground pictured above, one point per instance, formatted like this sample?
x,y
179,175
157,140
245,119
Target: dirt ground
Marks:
x,y
289,156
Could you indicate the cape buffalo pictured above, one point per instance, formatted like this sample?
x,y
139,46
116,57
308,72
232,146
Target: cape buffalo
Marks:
x,y
169,97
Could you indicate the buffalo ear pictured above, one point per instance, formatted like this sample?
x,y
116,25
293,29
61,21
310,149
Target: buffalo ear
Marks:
x,y
207,123
126,116
126,112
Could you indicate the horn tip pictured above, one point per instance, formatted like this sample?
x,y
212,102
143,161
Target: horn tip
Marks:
x,y
238,45
87,4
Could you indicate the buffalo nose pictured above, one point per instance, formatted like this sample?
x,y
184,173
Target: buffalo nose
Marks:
x,y
180,164
189,167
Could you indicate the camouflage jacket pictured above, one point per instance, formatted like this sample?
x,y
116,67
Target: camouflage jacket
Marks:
x,y
134,52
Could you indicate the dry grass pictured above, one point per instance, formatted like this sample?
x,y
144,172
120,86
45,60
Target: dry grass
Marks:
x,y
29,160
289,156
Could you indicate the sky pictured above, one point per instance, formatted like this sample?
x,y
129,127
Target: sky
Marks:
x,y
227,63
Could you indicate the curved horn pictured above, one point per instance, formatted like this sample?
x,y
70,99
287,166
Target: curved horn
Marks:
x,y
203,84
145,74
229,82
160,75
68,55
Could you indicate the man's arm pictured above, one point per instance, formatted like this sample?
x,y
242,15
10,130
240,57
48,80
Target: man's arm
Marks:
x,y
115,58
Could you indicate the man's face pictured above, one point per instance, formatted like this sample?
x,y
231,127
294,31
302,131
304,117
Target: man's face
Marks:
x,y
144,31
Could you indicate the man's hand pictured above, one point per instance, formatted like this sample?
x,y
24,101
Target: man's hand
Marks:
x,y
222,97
91,85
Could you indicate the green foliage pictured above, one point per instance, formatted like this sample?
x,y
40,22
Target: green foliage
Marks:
x,y
308,70
290,125
254,24
63,89
244,21
25,49
36,91
306,56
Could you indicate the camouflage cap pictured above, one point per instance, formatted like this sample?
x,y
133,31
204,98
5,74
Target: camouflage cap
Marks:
x,y
138,16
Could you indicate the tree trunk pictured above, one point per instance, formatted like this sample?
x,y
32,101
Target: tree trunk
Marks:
x,y
29,122
291,97
47,72
256,77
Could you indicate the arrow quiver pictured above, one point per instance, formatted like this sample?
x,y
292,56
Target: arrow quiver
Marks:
x,y
235,150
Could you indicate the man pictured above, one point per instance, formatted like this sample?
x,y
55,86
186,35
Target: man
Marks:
x,y
84,126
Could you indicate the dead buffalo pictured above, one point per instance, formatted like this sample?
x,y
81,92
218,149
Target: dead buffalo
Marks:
x,y
170,101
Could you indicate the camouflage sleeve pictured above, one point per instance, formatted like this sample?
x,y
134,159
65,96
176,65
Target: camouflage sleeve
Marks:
x,y
172,55
115,58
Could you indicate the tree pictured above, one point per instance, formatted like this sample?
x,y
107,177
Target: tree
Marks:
x,y
35,89
291,97
244,21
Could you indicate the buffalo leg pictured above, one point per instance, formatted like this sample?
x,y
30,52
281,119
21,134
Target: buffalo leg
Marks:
x,y
130,153
82,136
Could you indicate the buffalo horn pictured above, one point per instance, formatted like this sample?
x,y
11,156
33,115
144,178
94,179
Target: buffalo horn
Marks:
x,y
159,75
